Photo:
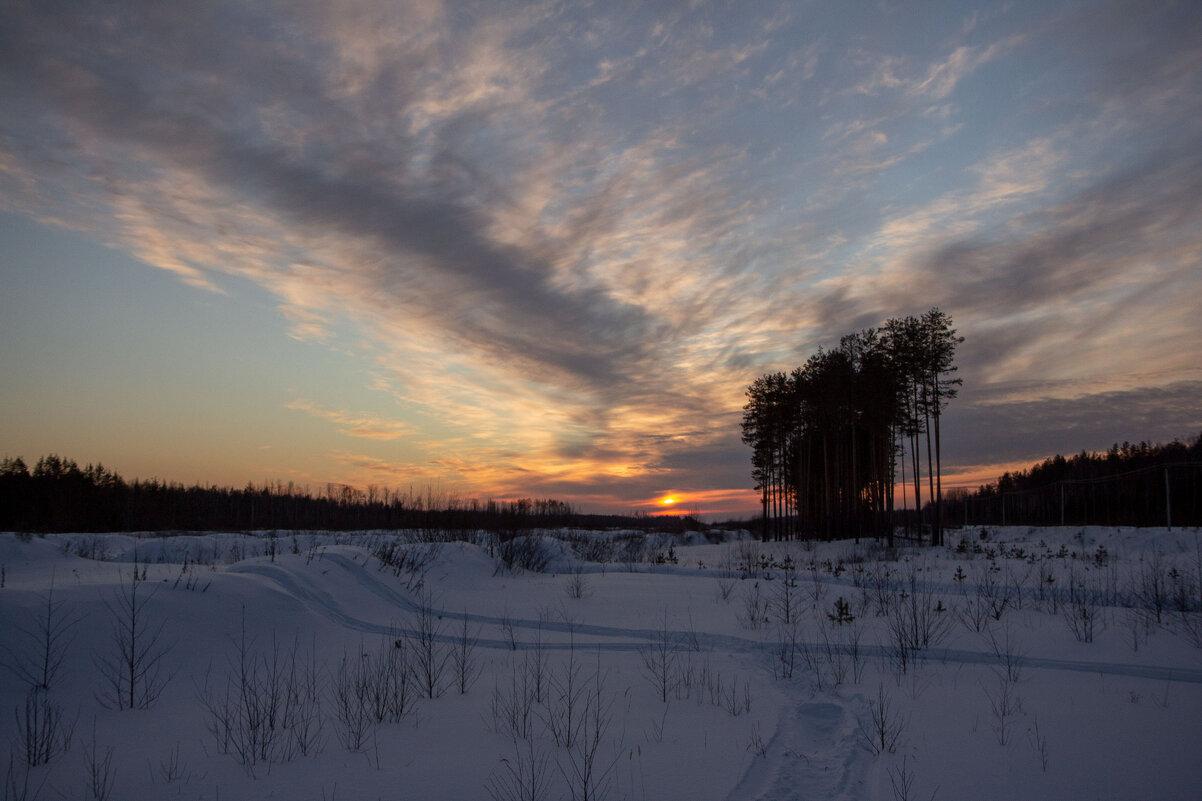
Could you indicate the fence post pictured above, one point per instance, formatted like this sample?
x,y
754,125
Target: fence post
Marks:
x,y
1168,502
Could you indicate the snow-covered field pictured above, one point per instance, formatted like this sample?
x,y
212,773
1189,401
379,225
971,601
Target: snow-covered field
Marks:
x,y
1014,664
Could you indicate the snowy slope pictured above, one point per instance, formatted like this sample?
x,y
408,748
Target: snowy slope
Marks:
x,y
768,695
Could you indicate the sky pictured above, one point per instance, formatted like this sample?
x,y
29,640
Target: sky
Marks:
x,y
541,249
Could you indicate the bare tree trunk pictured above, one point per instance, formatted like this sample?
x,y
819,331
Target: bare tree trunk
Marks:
x,y
938,483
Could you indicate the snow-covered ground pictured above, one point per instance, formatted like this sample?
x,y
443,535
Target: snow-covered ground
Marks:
x,y
1013,664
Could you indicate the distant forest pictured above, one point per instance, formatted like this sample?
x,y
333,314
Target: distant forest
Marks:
x,y
1129,485
58,495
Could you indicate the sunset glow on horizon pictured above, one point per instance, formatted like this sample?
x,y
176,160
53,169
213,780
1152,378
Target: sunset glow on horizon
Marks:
x,y
541,249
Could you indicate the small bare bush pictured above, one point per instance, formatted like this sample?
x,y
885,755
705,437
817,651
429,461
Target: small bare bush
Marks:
x,y
268,709
883,726
44,731
512,707
1005,704
1083,611
660,659
100,773
585,766
522,553
352,700
1039,742
46,639
577,582
463,656
917,620
429,657
132,670
1008,651
525,776
755,607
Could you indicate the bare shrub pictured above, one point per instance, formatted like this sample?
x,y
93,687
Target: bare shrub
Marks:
x,y
269,708
463,656
660,659
994,590
391,691
1045,587
44,731
19,784
881,729
1150,587
837,652
1039,742
562,712
47,638
588,772
1008,651
1189,617
1083,610
879,587
726,575
903,781
429,657
509,630
1004,704
735,700
522,553
352,704
100,774
132,671
632,550
526,776
747,558
785,650
917,620
172,769
755,607
511,706
577,582
816,587
409,561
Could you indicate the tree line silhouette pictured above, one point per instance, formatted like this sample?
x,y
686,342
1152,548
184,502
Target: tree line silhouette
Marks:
x,y
1140,484
831,439
58,495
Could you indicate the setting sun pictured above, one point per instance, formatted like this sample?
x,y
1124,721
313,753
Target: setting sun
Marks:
x,y
668,501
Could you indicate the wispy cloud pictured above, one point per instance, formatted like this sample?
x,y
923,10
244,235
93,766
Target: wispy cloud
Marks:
x,y
564,238
365,426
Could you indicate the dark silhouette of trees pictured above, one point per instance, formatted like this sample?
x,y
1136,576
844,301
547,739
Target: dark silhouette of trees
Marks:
x,y
826,439
767,424
1140,484
59,495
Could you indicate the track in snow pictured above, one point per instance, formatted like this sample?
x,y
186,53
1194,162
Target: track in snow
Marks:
x,y
614,638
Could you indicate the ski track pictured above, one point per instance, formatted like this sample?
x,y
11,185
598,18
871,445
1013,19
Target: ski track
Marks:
x,y
613,638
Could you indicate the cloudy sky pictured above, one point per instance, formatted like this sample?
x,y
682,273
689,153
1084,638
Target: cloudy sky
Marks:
x,y
542,248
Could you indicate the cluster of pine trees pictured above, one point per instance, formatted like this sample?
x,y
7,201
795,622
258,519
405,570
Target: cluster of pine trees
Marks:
x,y
829,439
1140,484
